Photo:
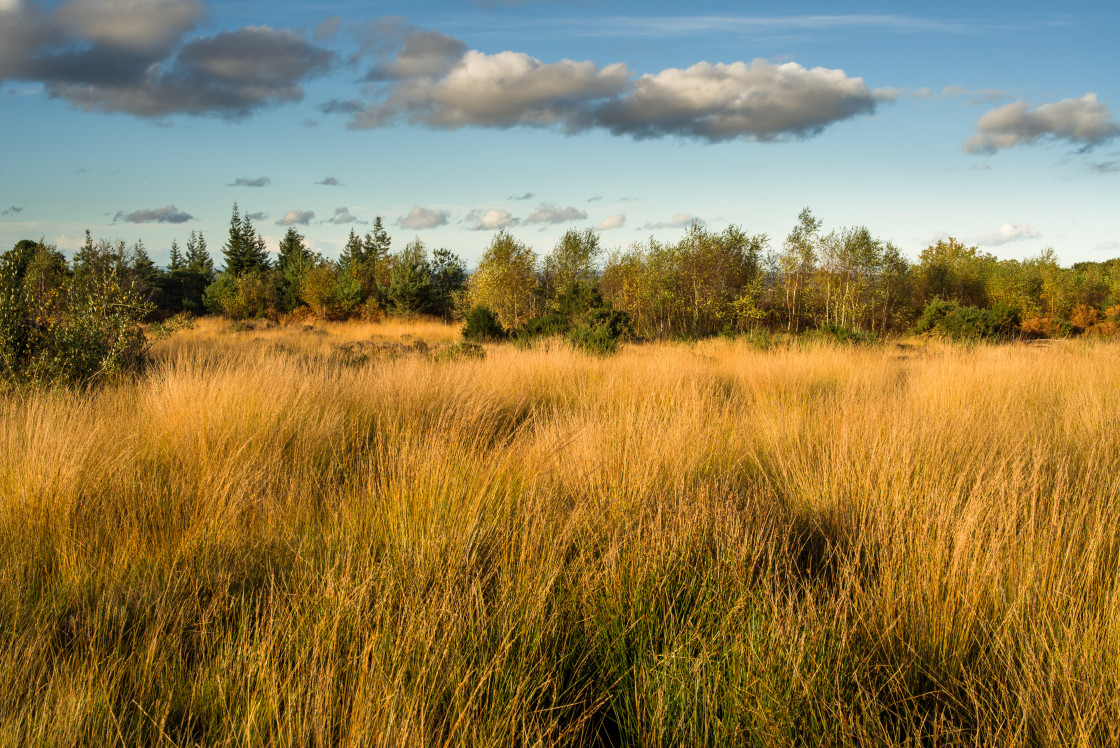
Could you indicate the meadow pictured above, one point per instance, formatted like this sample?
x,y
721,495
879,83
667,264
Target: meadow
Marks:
x,y
332,534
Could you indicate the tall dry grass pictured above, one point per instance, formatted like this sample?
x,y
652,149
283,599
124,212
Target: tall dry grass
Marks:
x,y
264,541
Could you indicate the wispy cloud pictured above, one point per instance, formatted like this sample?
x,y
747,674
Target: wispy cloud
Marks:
x,y
679,220
250,182
12,211
330,182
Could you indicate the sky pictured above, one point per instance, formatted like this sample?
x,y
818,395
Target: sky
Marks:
x,y
997,123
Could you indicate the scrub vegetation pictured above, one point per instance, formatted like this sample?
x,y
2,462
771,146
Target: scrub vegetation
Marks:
x,y
349,533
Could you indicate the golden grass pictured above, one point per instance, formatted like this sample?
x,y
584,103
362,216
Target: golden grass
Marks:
x,y
267,541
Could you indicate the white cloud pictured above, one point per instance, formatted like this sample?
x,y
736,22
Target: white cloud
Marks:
x,y
500,90
492,219
130,24
1109,246
679,220
1007,233
547,213
423,218
759,100
937,236
296,217
611,222
1084,122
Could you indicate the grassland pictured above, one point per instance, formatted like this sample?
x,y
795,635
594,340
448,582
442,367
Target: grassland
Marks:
x,y
308,536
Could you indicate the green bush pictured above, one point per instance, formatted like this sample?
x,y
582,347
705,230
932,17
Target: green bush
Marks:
x,y
599,330
84,329
482,325
967,322
835,333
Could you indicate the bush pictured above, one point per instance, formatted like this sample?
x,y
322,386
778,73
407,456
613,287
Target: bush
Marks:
x,y
87,328
599,330
482,325
835,333
967,322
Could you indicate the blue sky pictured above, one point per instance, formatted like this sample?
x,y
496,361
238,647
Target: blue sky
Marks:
x,y
997,123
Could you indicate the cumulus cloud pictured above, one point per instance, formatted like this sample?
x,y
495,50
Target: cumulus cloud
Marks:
x,y
435,81
296,217
611,222
756,101
329,182
1007,233
1084,122
258,216
341,217
168,214
490,220
423,218
134,56
12,211
679,220
547,213
250,182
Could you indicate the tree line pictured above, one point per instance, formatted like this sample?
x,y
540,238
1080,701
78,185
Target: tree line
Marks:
x,y
847,283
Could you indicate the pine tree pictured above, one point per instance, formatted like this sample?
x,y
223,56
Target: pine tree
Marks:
x,y
198,258
256,251
176,257
234,250
294,261
353,253
410,279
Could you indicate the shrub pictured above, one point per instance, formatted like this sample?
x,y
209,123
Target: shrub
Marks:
x,y
967,322
87,328
482,325
835,333
599,330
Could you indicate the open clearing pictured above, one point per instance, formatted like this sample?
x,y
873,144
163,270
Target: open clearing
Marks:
x,y
333,536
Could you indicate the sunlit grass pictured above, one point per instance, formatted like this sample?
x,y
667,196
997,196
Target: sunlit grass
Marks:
x,y
268,539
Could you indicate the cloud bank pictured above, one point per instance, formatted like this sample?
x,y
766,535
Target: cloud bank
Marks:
x,y
1084,122
435,81
133,56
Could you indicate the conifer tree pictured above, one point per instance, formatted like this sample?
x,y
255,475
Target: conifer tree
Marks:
x,y
294,261
198,258
177,262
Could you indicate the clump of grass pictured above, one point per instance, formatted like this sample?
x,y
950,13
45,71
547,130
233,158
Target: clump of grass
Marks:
x,y
255,543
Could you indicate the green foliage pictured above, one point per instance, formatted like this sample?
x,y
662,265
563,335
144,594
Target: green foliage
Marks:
x,y
463,351
505,280
482,325
410,280
599,330
448,280
952,320
294,261
836,333
244,250
63,329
